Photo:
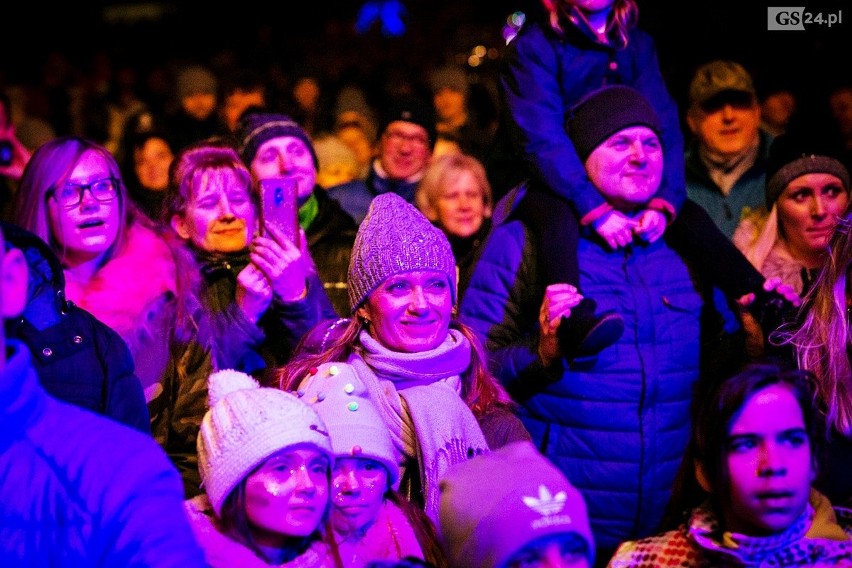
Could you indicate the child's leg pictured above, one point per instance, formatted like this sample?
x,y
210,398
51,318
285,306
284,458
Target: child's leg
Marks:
x,y
719,262
556,229
695,236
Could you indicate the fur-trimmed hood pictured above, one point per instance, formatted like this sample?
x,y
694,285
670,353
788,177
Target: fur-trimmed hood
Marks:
x,y
127,287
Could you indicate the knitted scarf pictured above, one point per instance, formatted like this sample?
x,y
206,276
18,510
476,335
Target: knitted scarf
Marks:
x,y
417,395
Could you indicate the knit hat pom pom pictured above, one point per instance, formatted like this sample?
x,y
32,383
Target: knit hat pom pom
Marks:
x,y
224,382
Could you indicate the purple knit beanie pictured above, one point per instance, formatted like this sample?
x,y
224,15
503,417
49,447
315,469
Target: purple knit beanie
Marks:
x,y
393,238
495,504
603,112
255,128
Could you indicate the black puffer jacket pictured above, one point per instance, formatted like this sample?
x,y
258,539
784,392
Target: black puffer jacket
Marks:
x,y
330,238
78,358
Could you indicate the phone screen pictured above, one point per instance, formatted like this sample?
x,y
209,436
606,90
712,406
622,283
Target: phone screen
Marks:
x,y
280,206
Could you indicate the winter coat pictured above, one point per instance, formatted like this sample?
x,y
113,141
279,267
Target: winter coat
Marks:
x,y
220,550
137,293
544,74
79,490
355,196
239,344
616,424
821,537
330,238
746,195
78,358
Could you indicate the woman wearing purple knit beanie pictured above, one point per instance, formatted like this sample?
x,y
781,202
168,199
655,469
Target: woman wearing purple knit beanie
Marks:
x,y
424,370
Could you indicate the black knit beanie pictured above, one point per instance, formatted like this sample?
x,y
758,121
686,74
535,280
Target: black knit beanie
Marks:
x,y
414,110
794,155
605,111
255,128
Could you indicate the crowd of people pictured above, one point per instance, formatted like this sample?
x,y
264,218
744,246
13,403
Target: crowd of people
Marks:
x,y
588,329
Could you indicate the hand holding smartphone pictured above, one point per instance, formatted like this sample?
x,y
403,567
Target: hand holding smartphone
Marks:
x,y
280,207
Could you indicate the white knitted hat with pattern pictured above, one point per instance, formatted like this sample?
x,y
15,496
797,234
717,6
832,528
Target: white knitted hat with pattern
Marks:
x,y
246,424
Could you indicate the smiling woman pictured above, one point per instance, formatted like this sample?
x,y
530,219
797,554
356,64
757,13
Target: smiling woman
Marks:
x,y
422,369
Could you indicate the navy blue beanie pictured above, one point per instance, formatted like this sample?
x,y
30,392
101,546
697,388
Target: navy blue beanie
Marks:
x,y
255,128
414,110
605,111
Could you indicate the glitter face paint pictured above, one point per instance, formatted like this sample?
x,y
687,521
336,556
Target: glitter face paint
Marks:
x,y
358,493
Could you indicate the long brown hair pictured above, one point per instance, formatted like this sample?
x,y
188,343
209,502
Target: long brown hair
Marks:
x,y
623,17
480,389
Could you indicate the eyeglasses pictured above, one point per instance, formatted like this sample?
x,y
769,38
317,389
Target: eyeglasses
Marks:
x,y
71,194
399,137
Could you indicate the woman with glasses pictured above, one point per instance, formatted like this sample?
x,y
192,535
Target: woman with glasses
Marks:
x,y
118,268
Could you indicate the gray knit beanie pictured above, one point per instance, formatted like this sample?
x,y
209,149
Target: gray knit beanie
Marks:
x,y
605,111
255,128
393,238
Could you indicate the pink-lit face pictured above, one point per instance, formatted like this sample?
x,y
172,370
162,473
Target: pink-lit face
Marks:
x,y
567,550
461,205
769,463
404,149
410,312
87,230
627,167
287,496
358,492
592,6
808,210
220,216
286,157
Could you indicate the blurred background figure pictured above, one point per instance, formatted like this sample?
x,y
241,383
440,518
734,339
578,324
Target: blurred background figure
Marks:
x,y
13,158
776,110
242,90
148,156
456,120
455,195
338,163
195,118
512,508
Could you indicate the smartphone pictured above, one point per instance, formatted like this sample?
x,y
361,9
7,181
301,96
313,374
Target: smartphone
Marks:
x,y
280,206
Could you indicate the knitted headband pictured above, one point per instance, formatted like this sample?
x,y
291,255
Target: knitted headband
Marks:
x,y
393,238
804,165
257,128
604,112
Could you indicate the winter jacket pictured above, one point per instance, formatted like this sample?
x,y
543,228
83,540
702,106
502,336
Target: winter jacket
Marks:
x,y
821,537
78,358
239,344
330,238
746,195
616,424
79,490
355,196
221,551
544,74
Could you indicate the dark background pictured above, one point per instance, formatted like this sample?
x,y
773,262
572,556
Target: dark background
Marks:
x,y
319,34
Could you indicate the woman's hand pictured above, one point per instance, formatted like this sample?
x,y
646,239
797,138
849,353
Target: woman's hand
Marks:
x,y
254,294
20,155
557,303
282,263
616,229
755,345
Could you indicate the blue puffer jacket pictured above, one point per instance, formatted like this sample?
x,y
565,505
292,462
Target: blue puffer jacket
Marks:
x,y
616,425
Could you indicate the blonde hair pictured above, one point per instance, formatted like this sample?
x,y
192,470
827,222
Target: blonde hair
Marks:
x,y
440,172
821,343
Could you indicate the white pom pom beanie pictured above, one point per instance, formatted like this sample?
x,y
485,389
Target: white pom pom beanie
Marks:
x,y
246,424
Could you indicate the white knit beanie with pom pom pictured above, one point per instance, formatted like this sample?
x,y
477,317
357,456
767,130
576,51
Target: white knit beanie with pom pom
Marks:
x,y
245,425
